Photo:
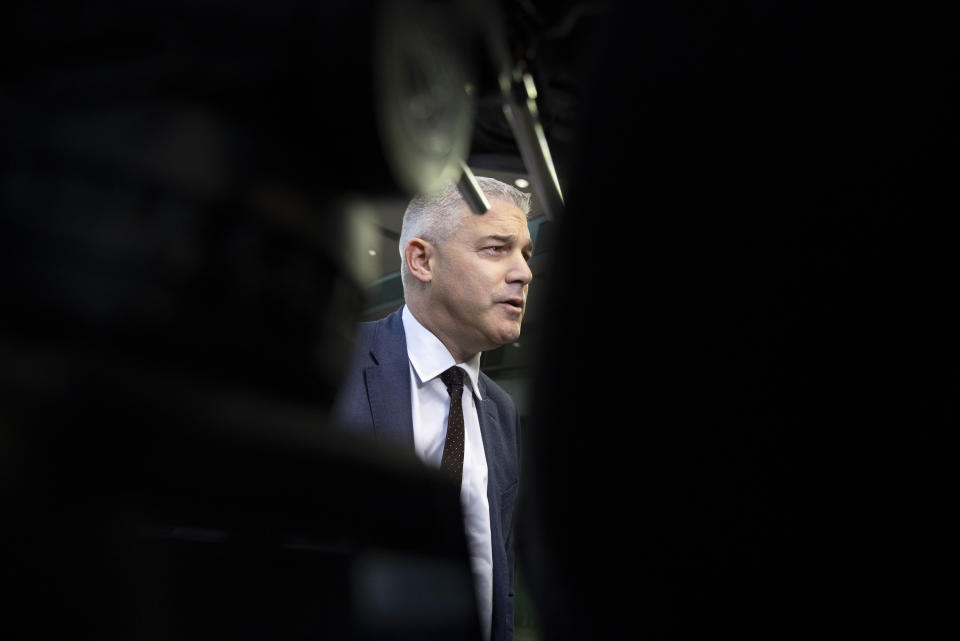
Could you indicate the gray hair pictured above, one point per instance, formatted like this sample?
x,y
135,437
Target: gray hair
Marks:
x,y
435,217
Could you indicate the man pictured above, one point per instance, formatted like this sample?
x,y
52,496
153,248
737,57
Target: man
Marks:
x,y
465,279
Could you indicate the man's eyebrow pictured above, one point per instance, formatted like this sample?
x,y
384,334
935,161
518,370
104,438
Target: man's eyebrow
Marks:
x,y
500,238
509,238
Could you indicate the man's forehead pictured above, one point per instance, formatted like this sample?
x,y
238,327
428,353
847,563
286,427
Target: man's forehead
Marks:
x,y
501,219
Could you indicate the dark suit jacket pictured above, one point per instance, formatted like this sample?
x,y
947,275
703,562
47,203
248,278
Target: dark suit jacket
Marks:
x,y
375,398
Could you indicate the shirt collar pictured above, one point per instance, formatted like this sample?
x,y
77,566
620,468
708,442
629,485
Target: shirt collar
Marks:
x,y
430,357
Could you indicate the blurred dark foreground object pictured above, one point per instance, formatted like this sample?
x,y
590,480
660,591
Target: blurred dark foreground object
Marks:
x,y
142,506
758,264
189,180
183,197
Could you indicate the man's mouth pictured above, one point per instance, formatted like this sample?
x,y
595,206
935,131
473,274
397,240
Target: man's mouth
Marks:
x,y
515,303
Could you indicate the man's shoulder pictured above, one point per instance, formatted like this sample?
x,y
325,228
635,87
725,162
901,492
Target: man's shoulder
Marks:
x,y
374,345
367,331
495,393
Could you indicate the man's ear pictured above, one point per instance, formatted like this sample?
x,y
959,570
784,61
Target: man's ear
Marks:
x,y
418,255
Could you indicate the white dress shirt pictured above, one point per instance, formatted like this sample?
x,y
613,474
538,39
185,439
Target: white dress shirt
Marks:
x,y
430,403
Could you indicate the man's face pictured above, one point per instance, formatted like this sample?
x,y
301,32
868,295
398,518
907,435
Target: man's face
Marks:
x,y
479,290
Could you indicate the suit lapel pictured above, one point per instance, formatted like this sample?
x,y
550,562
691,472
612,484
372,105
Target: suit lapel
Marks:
x,y
388,382
490,435
493,448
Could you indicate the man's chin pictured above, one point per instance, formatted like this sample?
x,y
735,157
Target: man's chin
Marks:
x,y
508,335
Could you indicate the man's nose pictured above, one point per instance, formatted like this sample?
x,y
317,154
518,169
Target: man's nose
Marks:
x,y
520,271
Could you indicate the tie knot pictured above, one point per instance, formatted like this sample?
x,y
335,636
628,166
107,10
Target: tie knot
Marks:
x,y
453,379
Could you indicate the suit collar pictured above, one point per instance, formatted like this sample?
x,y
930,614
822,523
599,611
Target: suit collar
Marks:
x,y
388,388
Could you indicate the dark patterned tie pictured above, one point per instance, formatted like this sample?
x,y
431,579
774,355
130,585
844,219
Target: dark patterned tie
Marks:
x,y
452,461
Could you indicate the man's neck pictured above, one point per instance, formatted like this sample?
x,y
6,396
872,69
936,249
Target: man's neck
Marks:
x,y
425,319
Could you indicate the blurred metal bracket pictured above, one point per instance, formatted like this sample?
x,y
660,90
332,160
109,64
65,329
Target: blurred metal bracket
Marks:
x,y
519,94
471,191
520,108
